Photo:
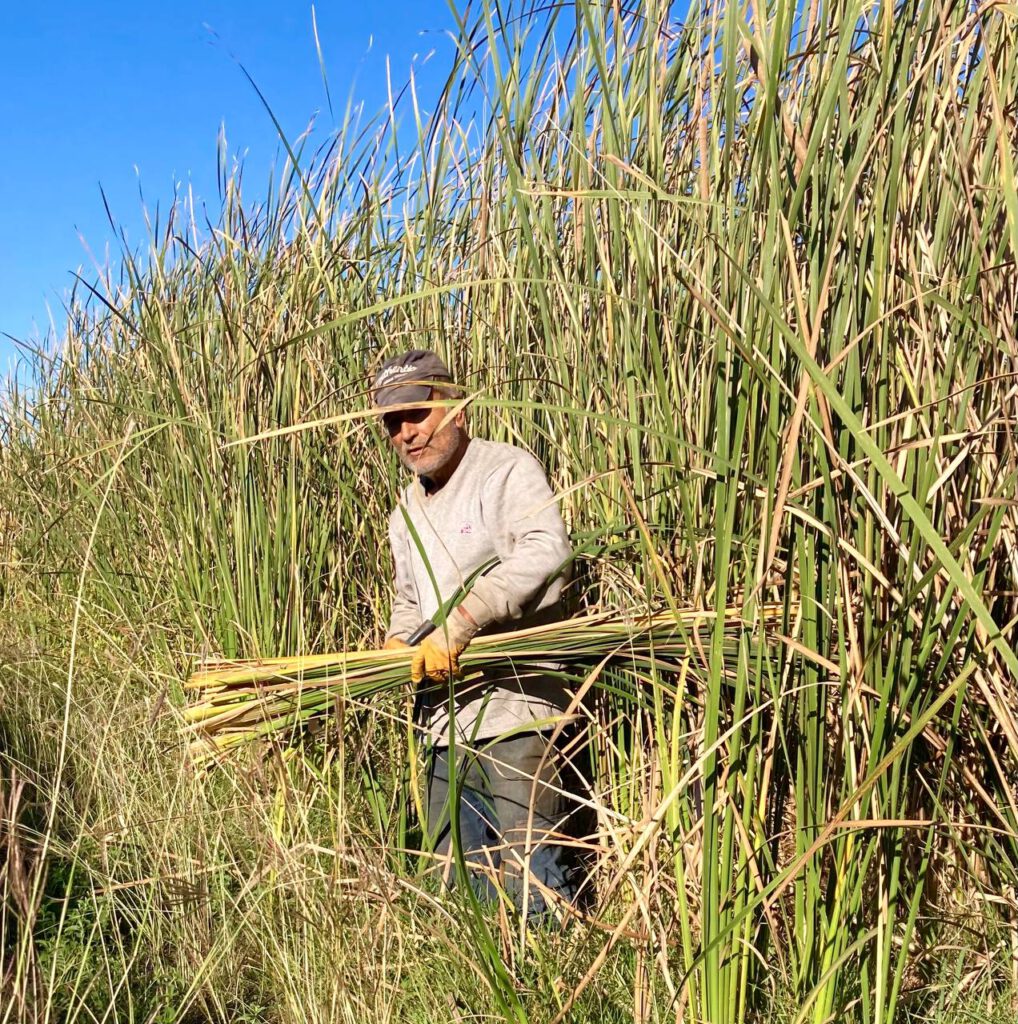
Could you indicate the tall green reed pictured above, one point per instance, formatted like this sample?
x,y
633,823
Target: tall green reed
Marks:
x,y
744,279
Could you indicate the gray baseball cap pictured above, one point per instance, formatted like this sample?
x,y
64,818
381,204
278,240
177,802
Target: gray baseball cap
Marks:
x,y
409,377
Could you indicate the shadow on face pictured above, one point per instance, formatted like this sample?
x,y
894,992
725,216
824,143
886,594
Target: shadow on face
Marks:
x,y
427,441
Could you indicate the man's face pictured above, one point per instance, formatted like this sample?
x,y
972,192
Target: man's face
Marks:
x,y
423,445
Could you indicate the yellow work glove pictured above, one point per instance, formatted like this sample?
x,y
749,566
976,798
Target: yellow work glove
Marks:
x,y
437,658
394,643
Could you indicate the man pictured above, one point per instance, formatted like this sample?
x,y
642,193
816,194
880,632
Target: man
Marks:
x,y
473,502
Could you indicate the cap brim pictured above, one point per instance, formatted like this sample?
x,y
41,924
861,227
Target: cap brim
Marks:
x,y
401,394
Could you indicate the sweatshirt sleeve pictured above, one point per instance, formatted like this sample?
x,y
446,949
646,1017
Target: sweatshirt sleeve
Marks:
x,y
521,511
406,613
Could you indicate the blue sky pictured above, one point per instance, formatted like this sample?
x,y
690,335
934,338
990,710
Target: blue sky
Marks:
x,y
130,94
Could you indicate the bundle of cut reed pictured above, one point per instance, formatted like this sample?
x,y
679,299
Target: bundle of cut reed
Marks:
x,y
241,701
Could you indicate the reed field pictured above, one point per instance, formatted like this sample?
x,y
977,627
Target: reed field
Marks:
x,y
744,279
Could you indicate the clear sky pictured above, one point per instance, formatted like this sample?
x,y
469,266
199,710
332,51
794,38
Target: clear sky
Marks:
x,y
130,94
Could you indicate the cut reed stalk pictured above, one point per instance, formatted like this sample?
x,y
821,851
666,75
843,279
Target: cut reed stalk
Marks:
x,y
238,702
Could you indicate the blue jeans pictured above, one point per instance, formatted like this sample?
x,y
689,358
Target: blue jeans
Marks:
x,y
511,825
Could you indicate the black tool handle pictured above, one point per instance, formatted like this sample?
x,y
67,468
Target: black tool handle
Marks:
x,y
424,629
428,627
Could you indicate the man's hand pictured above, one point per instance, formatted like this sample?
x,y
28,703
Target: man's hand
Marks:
x,y
394,643
438,656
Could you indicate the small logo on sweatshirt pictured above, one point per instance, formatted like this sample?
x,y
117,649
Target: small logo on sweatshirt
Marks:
x,y
467,528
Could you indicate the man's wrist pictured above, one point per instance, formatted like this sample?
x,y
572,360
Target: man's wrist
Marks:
x,y
475,611
459,628
467,616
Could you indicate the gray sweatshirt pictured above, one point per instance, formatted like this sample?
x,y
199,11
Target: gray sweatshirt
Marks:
x,y
497,503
